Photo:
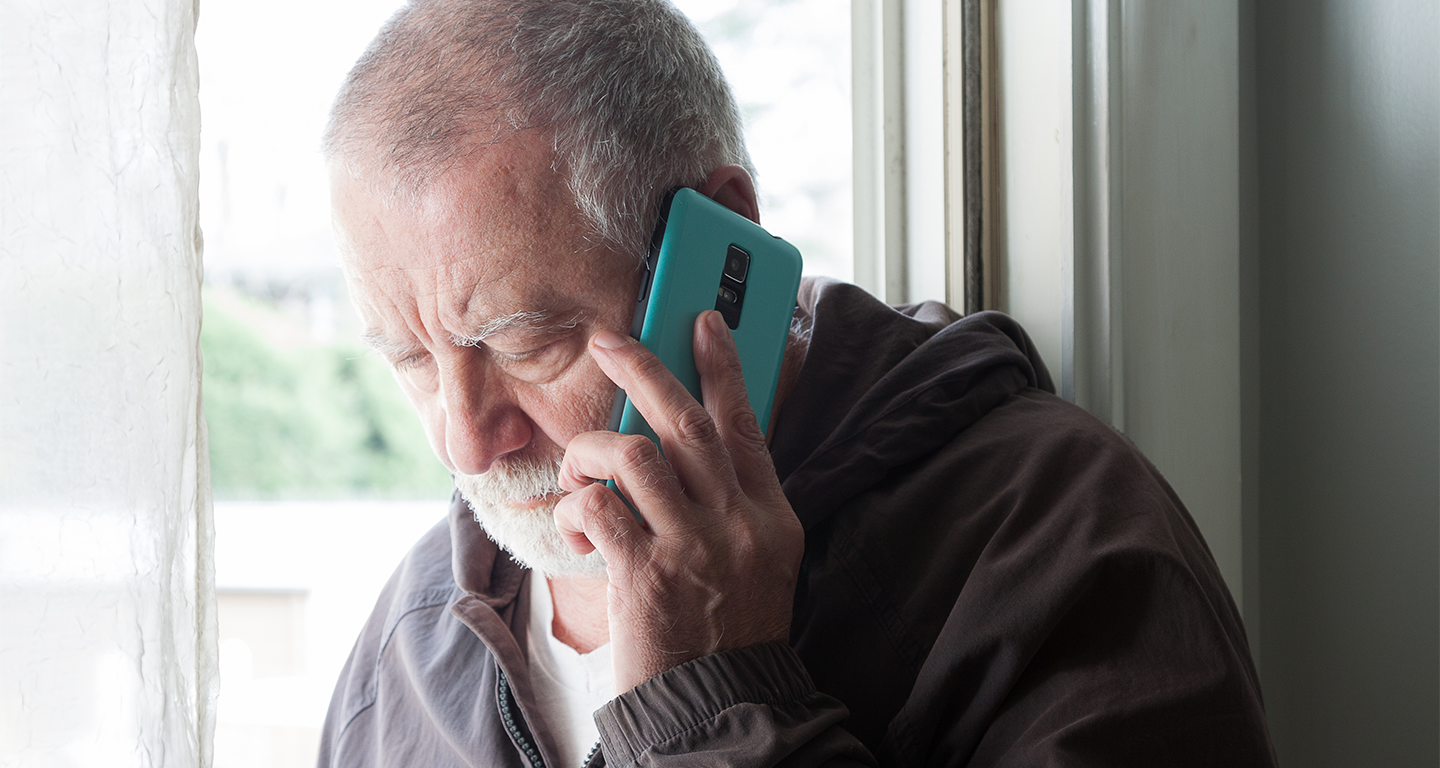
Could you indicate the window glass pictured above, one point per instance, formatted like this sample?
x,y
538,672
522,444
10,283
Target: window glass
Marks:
x,y
789,64
322,476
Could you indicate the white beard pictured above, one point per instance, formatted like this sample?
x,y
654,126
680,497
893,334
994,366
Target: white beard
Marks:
x,y
529,535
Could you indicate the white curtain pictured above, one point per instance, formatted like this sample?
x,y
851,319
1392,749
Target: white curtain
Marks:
x,y
107,639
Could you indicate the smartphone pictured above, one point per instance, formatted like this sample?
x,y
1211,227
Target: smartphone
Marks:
x,y
705,256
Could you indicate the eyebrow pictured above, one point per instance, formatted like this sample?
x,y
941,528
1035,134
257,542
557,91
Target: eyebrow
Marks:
x,y
385,347
545,321
542,320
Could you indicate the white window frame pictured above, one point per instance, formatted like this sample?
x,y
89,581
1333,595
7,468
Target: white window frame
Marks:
x,y
1116,239
898,77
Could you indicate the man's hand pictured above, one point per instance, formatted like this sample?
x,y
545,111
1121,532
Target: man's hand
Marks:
x,y
713,566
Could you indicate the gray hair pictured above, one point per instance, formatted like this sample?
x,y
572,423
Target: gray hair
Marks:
x,y
633,98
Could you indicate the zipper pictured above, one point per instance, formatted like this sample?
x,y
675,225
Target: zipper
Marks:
x,y
514,725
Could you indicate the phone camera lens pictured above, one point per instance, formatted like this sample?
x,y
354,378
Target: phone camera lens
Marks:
x,y
737,264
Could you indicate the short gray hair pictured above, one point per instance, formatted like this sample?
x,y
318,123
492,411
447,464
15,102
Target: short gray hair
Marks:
x,y
634,100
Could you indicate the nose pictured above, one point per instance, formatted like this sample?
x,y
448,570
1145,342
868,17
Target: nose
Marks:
x,y
483,420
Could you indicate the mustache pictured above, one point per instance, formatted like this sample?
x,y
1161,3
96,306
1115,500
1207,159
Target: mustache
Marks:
x,y
514,480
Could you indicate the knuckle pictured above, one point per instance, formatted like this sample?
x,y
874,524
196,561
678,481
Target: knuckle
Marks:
x,y
591,502
744,425
694,426
571,478
742,538
647,366
637,453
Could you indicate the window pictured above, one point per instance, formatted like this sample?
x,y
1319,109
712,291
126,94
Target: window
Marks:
x,y
789,64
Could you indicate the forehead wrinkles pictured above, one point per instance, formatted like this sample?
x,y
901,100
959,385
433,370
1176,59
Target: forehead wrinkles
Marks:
x,y
433,271
479,243
439,307
527,301
393,302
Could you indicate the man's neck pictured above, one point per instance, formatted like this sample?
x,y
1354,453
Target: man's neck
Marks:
x,y
582,620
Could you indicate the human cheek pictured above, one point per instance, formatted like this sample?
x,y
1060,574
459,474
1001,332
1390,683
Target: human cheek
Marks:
x,y
429,407
579,403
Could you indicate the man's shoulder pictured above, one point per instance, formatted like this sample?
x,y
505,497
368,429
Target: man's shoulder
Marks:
x,y
424,579
972,560
1039,472
1051,458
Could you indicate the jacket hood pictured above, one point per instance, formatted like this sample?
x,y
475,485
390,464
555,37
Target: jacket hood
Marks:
x,y
866,403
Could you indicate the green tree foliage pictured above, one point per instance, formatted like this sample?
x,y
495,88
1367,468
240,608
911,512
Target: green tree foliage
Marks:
x,y
294,419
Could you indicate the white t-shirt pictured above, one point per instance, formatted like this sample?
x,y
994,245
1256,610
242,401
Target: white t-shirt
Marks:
x,y
569,686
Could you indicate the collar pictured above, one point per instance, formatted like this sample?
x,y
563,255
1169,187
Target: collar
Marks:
x,y
481,568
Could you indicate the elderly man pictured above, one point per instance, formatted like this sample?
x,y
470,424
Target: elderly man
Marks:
x,y
926,558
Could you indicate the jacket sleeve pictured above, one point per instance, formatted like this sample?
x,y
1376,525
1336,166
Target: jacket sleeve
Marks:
x,y
754,706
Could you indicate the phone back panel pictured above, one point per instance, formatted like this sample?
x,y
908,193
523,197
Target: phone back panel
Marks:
x,y
687,273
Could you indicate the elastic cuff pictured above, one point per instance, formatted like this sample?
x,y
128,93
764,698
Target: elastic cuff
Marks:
x,y
696,691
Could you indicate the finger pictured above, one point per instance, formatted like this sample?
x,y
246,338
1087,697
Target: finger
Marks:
x,y
722,384
636,466
687,434
594,518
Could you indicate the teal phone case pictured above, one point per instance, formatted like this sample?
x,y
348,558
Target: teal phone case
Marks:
x,y
684,280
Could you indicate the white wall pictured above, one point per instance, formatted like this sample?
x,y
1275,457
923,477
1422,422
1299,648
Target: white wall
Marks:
x,y
1347,147
1179,250
1221,223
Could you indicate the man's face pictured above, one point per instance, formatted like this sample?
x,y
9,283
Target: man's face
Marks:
x,y
482,297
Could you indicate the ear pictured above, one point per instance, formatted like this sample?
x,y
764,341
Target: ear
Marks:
x,y
730,186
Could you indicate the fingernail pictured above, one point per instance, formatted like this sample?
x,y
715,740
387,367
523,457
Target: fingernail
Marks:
x,y
718,328
609,340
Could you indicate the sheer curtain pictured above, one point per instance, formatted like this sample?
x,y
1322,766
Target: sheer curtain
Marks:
x,y
107,633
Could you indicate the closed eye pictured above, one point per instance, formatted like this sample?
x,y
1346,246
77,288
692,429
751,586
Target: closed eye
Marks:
x,y
527,355
541,363
409,362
